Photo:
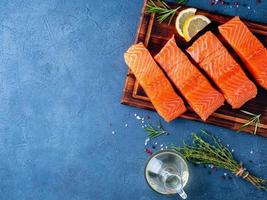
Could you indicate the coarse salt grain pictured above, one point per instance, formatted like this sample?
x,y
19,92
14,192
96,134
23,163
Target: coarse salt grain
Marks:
x,y
161,145
161,149
233,150
135,114
225,174
143,122
146,141
248,7
126,125
138,117
156,143
251,152
143,127
113,132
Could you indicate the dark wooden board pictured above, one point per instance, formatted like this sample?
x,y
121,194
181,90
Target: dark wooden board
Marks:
x,y
154,35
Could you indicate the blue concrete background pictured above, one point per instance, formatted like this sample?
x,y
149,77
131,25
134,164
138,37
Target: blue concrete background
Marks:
x,y
61,79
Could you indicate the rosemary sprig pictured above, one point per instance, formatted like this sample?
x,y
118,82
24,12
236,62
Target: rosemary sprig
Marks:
x,y
254,120
161,8
153,132
214,152
181,1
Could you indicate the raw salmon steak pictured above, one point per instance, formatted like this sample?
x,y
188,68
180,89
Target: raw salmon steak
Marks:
x,y
203,98
220,66
156,85
248,47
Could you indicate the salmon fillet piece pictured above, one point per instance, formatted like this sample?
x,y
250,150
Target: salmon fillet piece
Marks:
x,y
220,66
156,85
248,47
203,98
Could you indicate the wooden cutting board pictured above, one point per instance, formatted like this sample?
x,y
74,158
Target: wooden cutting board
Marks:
x,y
154,35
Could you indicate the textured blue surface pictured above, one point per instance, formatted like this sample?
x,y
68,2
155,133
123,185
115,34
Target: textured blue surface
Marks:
x,y
61,79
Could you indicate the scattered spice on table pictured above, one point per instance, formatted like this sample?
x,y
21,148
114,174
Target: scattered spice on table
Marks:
x,y
138,117
231,3
148,151
146,141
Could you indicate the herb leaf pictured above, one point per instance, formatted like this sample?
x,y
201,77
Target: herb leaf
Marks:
x,y
254,120
161,8
154,132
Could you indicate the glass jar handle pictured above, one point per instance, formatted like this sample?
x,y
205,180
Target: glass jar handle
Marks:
x,y
181,193
179,189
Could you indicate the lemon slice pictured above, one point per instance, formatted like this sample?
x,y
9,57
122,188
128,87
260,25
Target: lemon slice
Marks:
x,y
182,17
193,25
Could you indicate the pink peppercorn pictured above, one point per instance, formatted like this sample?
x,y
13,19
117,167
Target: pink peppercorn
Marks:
x,y
236,3
148,151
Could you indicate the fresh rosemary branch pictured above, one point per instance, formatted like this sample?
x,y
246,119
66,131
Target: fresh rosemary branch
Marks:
x,y
161,8
255,120
153,132
214,152
181,1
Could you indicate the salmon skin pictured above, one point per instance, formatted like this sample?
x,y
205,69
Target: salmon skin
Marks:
x,y
156,85
220,66
248,47
203,98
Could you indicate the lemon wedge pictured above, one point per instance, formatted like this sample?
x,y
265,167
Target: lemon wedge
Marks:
x,y
182,17
193,25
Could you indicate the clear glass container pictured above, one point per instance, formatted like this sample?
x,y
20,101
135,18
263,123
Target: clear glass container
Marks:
x,y
167,172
